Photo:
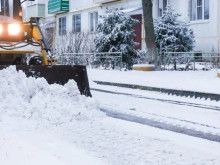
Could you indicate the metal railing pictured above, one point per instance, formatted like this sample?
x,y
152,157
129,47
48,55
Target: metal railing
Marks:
x,y
190,60
107,60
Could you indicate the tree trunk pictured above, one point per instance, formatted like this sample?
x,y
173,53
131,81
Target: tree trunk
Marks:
x,y
149,33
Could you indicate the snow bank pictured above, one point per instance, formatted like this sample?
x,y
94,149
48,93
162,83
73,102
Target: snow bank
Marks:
x,y
36,99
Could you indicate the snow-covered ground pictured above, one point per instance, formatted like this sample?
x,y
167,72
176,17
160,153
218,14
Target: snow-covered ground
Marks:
x,y
24,146
53,124
201,81
191,117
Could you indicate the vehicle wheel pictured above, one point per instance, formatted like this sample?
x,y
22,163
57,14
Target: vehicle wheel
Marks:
x,y
36,60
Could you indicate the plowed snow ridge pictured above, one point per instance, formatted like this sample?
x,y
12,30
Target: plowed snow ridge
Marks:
x,y
36,99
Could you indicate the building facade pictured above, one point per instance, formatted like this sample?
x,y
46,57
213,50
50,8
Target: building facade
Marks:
x,y
59,17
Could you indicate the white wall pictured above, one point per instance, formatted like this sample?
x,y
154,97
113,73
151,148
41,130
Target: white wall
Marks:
x,y
11,8
207,32
34,11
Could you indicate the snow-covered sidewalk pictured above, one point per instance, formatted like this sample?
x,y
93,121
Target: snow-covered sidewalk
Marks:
x,y
200,81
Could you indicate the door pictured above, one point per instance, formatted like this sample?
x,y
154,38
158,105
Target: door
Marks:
x,y
137,30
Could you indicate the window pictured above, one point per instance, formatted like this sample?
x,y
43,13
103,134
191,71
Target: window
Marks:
x,y
0,6
162,5
93,21
62,26
206,9
199,10
77,23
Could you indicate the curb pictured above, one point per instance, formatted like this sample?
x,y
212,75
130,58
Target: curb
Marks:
x,y
192,94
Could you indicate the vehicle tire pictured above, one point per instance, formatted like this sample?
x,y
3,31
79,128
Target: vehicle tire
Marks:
x,y
36,60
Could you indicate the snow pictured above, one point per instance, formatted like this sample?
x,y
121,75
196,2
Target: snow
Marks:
x,y
54,124
37,147
200,81
36,99
173,114
171,34
15,150
115,35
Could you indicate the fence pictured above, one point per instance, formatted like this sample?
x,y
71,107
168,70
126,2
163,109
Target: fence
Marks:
x,y
107,60
190,60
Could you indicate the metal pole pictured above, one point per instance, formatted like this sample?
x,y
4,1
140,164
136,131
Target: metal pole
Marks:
x,y
194,62
121,61
210,60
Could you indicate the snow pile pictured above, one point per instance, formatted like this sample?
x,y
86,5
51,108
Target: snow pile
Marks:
x,y
35,98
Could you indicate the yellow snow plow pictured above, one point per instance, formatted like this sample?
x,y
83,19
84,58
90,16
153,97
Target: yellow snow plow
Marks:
x,y
20,41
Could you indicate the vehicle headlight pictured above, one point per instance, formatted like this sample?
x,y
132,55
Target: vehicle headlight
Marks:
x,y
14,29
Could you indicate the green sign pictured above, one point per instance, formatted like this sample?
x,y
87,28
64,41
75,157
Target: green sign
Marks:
x,y
58,6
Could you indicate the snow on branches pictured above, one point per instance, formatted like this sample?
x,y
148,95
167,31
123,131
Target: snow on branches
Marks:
x,y
116,35
173,35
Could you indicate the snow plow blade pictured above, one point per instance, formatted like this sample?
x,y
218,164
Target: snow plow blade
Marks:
x,y
58,74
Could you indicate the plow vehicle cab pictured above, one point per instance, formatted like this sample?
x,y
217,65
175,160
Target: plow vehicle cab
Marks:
x,y
23,44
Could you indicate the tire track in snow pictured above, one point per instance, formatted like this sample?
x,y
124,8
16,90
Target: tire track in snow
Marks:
x,y
162,125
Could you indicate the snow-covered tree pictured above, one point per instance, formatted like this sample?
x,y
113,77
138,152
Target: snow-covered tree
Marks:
x,y
116,35
173,35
